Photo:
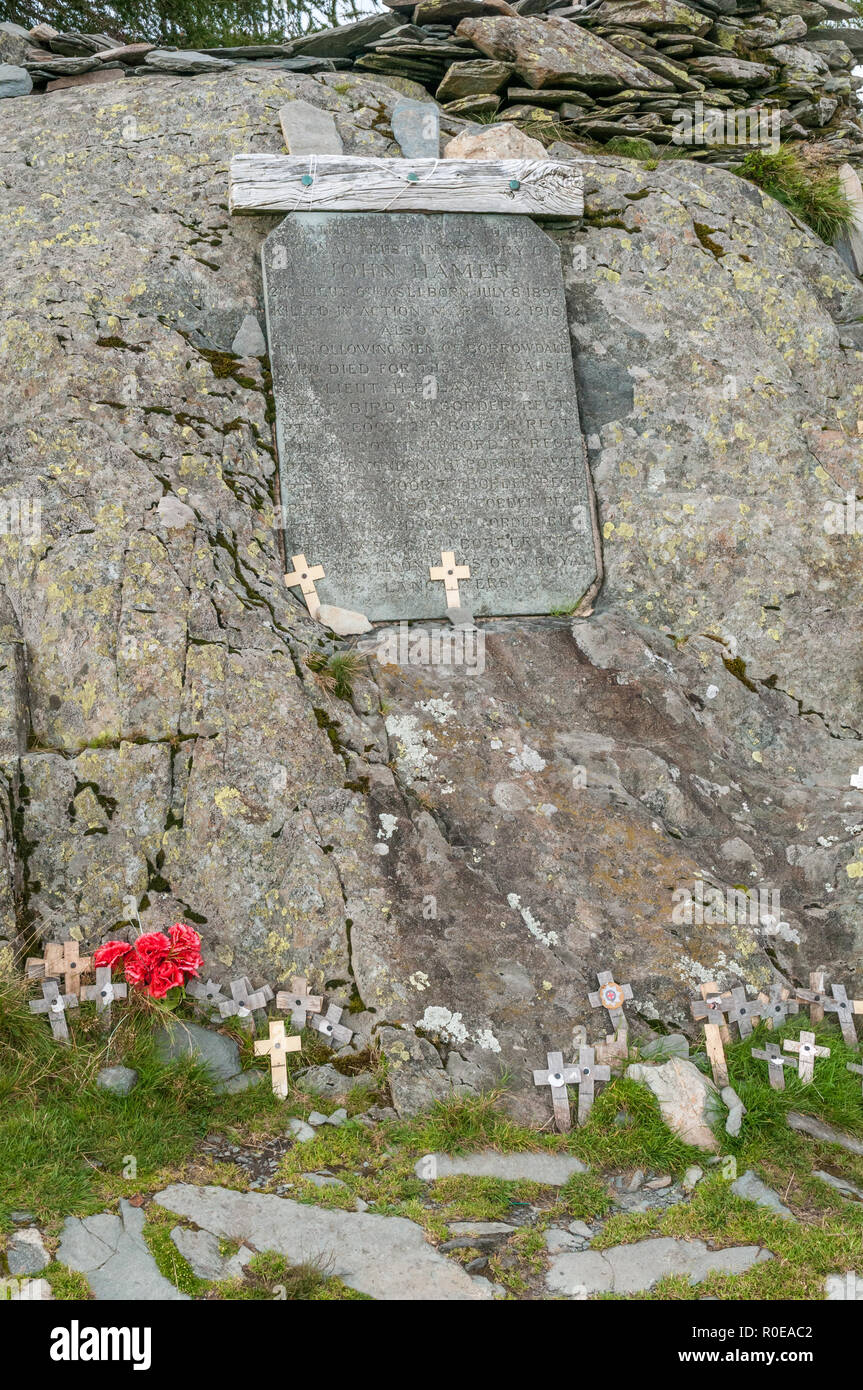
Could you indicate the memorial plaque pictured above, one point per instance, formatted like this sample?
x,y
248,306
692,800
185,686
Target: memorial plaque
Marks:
x,y
425,402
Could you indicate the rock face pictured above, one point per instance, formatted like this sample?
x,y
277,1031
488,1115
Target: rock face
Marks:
x,y
163,739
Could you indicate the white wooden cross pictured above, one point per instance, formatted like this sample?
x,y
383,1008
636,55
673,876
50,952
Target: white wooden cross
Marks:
x,y
778,1004
299,1001
839,1004
854,1066
711,1008
857,779
277,1047
244,1000
807,1052
305,575
61,959
776,1064
328,1025
103,993
558,1077
450,573
55,1004
610,996
589,1073
742,1011
208,995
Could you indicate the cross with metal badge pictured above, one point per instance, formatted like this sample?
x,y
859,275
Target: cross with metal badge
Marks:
x,y
208,995
55,1004
244,1000
806,1051
299,1001
328,1025
304,575
450,573
710,1009
854,1066
610,996
103,993
61,959
558,1077
277,1047
589,1074
742,1011
776,1064
778,1005
839,1004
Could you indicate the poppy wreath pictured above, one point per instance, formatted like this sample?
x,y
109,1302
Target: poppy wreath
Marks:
x,y
155,962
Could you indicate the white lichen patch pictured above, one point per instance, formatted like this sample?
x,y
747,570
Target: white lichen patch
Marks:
x,y
419,979
437,1019
388,826
440,710
413,756
549,938
526,759
486,1039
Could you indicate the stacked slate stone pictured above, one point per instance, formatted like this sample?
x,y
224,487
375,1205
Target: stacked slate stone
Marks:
x,y
660,70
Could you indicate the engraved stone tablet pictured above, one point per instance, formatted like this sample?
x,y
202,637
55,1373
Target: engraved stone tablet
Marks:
x,y
425,402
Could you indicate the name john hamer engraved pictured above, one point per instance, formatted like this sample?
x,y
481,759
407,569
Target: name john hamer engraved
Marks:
x,y
425,401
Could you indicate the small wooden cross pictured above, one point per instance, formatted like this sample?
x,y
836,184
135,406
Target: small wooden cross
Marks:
x,y
305,575
450,573
209,996
244,1000
742,1011
589,1073
610,996
299,1001
778,1004
277,1047
61,959
776,1064
55,1004
711,1009
558,1077
103,993
854,1066
817,986
807,1052
839,1004
328,1025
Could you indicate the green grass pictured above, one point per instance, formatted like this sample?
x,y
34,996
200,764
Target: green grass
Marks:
x,y
630,147
338,671
269,1276
811,190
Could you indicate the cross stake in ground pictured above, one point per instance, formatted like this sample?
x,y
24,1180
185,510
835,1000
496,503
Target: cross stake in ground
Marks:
x,y
329,1027
610,996
61,960
711,1009
778,1005
277,1048
776,1064
450,573
837,1002
589,1074
55,1004
742,1011
558,1077
103,993
805,1047
299,1001
244,1000
304,575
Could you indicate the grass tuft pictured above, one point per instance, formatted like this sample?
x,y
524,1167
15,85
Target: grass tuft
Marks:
x,y
808,188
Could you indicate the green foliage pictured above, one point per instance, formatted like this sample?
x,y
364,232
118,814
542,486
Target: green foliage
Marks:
x,y
269,1276
338,671
631,148
186,22
810,190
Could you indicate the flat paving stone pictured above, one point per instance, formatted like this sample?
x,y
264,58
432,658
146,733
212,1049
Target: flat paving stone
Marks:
x,y
637,1267
111,1253
26,1253
387,1257
753,1189
553,1170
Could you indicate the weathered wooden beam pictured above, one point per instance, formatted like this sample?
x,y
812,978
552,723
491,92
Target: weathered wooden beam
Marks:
x,y
350,183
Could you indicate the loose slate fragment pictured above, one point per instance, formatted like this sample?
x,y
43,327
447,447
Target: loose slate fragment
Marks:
x,y
424,389
55,1004
309,129
277,1048
329,1027
299,1001
104,992
416,128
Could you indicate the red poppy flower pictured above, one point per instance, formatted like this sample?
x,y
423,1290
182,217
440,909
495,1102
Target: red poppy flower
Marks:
x,y
111,952
163,977
156,962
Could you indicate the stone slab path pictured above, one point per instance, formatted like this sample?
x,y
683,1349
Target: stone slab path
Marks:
x,y
387,1257
111,1253
553,1170
636,1268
